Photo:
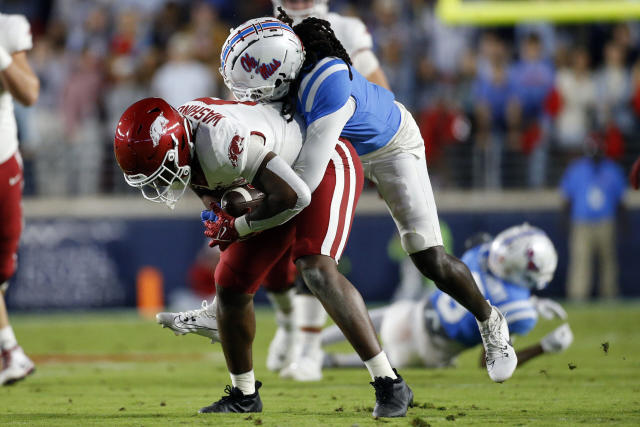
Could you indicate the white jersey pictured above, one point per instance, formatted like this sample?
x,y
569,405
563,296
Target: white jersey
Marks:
x,y
355,39
351,32
15,36
232,138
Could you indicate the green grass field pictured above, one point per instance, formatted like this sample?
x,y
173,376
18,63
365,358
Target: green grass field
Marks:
x,y
113,368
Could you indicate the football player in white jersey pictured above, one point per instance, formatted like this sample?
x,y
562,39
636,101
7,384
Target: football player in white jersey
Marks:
x,y
351,32
432,332
212,145
17,80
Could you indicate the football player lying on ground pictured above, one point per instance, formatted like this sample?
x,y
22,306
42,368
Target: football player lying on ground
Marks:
x,y
212,145
258,63
433,331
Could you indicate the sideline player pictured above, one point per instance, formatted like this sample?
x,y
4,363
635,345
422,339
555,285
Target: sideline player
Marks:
x,y
212,145
335,100
17,80
433,331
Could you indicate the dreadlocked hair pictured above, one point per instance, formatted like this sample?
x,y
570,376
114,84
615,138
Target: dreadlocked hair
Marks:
x,y
319,42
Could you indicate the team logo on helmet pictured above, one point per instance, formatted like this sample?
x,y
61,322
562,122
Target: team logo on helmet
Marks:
x,y
531,266
235,149
158,128
249,63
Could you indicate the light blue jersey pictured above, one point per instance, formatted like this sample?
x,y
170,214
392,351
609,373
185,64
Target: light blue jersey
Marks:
x,y
327,88
512,300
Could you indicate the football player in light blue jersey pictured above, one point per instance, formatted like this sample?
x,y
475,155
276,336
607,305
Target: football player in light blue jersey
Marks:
x,y
264,60
433,331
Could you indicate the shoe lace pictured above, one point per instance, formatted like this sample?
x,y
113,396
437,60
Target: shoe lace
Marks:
x,y
383,388
492,336
233,393
205,311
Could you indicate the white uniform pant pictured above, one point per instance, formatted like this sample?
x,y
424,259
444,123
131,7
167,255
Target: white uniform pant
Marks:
x,y
399,170
407,341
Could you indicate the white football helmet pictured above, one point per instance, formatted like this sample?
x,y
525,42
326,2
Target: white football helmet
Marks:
x,y
523,255
260,58
317,8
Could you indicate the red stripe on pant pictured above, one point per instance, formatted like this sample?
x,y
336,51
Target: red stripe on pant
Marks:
x,y
10,214
344,202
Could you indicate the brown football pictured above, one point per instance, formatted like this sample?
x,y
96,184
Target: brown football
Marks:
x,y
238,201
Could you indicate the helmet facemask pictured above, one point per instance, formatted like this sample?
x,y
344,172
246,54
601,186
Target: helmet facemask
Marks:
x,y
168,183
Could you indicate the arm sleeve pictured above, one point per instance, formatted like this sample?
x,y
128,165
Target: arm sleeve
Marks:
x,y
280,168
322,136
256,152
17,33
365,62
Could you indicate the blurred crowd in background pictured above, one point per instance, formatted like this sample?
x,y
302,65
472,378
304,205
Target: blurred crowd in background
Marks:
x,y
504,107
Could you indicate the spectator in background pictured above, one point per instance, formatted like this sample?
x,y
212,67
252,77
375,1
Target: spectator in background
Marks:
x,y
393,37
182,78
492,93
593,188
81,103
613,89
578,98
532,79
127,84
51,64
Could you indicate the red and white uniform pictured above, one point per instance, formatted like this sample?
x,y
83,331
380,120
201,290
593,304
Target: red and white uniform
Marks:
x,y
15,36
232,138
229,152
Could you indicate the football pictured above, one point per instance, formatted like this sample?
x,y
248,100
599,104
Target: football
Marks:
x,y
238,201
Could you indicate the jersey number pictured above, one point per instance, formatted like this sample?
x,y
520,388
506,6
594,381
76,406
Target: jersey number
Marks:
x,y
449,309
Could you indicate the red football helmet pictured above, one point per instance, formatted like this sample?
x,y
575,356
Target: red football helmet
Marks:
x,y
153,148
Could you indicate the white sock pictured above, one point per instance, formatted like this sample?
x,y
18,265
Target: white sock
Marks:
x,y
308,312
310,342
245,382
282,302
7,338
379,366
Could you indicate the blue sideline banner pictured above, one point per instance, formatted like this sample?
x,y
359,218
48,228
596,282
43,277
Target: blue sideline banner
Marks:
x,y
87,263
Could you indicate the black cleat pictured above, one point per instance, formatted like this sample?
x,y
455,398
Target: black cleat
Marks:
x,y
393,397
236,401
